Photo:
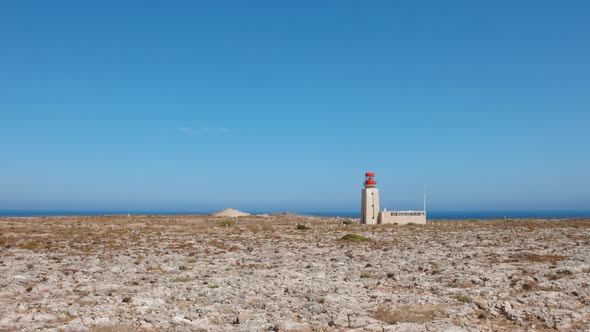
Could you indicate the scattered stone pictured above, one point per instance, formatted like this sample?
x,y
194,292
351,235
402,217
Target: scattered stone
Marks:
x,y
179,320
110,272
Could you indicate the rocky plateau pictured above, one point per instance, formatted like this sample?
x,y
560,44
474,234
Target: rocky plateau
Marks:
x,y
292,273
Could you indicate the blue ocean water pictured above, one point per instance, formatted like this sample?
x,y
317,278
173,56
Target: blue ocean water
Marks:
x,y
350,214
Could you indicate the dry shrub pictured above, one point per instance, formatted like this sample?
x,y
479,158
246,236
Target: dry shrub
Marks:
x,y
554,276
406,314
536,258
220,245
112,328
32,245
530,286
461,284
302,227
155,269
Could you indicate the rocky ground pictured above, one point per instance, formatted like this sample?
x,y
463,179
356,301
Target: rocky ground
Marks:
x,y
261,273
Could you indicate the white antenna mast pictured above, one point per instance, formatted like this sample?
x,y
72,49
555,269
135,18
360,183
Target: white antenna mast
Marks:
x,y
424,202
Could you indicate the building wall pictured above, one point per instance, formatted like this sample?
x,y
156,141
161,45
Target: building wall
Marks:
x,y
370,206
402,217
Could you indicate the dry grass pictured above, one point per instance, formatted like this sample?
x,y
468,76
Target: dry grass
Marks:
x,y
115,328
527,244
536,258
107,235
407,314
302,227
155,269
530,286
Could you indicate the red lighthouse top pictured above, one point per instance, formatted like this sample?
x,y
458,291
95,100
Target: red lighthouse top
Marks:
x,y
370,179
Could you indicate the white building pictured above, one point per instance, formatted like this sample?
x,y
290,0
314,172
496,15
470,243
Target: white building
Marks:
x,y
370,214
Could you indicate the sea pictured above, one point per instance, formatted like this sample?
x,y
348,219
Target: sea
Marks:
x,y
561,214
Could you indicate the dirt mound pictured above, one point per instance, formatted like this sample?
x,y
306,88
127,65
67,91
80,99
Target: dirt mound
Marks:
x,y
229,213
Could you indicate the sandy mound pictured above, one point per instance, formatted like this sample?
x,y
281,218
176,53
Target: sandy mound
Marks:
x,y
230,213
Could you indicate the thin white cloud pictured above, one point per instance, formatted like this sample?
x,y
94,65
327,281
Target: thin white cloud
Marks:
x,y
214,130
186,130
204,129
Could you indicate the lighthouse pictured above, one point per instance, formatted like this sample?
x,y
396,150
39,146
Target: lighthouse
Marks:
x,y
370,200
370,214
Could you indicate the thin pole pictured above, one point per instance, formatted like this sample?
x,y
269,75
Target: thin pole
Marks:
x,y
424,202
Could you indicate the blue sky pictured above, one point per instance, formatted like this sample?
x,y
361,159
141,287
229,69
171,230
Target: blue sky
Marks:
x,y
276,105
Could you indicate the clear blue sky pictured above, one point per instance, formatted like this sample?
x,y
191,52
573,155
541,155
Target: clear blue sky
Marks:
x,y
283,105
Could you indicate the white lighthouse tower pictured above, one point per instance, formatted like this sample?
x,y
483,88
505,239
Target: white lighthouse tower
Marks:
x,y
370,201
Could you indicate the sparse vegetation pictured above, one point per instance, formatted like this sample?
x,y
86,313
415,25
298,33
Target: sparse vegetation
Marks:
x,y
112,328
33,245
530,285
355,238
303,227
554,276
536,258
227,223
406,314
464,298
139,259
155,269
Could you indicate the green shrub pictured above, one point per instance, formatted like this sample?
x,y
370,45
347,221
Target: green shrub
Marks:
x,y
354,238
464,298
367,276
